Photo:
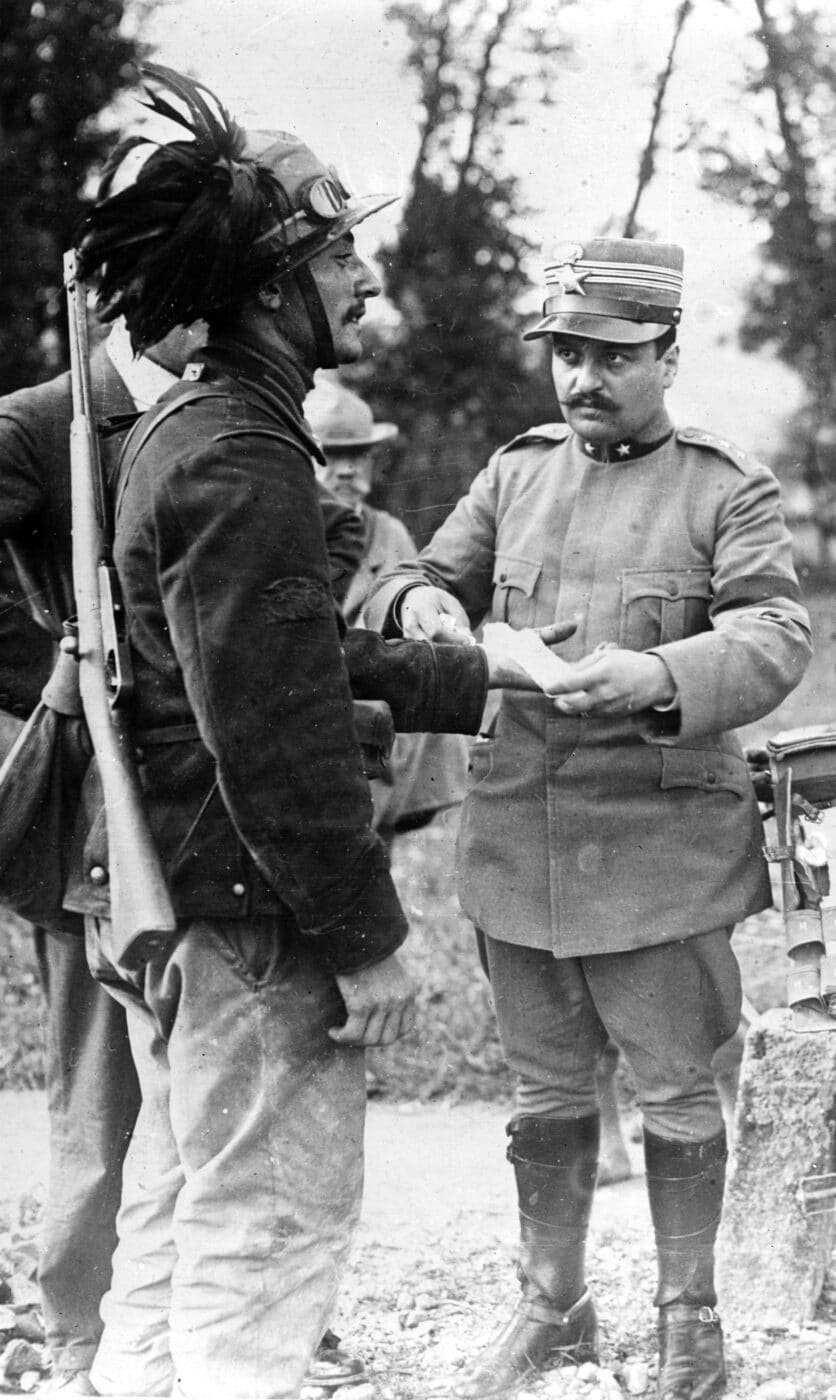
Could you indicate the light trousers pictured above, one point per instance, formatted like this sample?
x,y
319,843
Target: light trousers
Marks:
x,y
243,1181
93,1098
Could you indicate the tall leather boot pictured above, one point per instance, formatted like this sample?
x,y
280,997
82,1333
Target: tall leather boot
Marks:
x,y
555,1162
685,1184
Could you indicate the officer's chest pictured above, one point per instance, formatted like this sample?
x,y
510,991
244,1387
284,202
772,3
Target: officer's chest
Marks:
x,y
605,543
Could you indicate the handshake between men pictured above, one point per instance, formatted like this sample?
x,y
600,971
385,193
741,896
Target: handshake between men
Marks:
x,y
609,681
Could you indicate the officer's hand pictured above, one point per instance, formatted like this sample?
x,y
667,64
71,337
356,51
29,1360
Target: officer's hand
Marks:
x,y
430,614
380,1004
558,632
613,681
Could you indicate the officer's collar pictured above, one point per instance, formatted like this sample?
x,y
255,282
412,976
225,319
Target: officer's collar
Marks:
x,y
626,450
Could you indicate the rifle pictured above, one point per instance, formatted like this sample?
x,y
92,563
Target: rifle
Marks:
x,y
142,915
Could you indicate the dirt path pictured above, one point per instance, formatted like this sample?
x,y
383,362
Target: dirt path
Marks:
x,y
432,1170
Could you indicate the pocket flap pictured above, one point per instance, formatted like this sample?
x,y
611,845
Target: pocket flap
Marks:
x,y
665,583
706,769
509,572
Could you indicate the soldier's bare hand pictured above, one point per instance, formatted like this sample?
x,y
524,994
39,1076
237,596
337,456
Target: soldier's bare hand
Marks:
x,y
617,682
379,1002
430,614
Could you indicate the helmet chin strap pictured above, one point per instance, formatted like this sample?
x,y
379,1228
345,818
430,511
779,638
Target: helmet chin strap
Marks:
x,y
326,355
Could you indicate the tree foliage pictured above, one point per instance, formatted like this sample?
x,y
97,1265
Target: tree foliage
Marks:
x,y
780,164
60,65
454,373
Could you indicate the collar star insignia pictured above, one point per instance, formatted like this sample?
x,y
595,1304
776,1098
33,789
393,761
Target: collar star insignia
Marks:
x,y
620,451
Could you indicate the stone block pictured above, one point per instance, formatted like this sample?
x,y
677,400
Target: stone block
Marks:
x,y
773,1253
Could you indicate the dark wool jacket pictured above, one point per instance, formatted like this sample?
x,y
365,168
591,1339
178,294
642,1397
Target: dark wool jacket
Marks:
x,y
35,477
244,673
35,518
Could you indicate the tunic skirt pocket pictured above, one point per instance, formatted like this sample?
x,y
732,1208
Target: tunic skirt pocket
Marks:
x,y
663,605
514,584
707,770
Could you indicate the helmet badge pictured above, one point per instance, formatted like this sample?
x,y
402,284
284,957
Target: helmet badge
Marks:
x,y
325,198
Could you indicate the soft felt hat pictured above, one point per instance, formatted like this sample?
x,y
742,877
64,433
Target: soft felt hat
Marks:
x,y
341,420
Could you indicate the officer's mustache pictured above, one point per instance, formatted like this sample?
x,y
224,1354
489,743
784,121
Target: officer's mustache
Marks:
x,y
598,401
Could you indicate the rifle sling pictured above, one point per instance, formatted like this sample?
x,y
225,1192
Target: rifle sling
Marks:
x,y
157,415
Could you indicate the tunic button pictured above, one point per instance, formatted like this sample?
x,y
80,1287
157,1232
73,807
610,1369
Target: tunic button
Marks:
x,y
239,889
503,576
711,777
673,588
98,875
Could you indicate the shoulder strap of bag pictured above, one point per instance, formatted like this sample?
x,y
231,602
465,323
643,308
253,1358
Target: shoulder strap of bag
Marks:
x,y
144,429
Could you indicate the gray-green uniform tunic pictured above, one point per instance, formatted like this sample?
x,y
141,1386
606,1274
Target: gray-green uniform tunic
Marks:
x,y
588,835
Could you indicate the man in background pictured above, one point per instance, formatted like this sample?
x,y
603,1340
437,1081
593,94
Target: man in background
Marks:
x,y
426,773
92,1090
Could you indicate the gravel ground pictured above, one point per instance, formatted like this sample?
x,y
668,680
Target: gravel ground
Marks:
x,y
432,1271
433,1274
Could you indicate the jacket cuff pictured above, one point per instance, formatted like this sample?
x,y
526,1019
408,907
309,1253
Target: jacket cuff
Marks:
x,y
462,686
661,724
430,688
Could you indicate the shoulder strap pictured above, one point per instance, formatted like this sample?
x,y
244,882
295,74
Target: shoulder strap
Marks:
x,y
554,433
146,426
696,437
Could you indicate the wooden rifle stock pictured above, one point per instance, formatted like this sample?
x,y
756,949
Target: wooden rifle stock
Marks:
x,y
141,911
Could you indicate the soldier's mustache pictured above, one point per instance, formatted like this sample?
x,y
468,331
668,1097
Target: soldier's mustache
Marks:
x,y
588,401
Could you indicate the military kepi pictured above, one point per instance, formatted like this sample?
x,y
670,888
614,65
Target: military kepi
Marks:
x,y
626,290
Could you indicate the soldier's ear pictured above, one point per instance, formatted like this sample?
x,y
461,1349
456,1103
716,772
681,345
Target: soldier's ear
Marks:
x,y
670,365
271,297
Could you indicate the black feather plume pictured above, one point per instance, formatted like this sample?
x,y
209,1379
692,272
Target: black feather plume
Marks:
x,y
215,135
180,243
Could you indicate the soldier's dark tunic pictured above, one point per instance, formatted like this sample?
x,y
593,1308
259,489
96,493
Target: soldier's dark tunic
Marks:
x,y
256,795
243,712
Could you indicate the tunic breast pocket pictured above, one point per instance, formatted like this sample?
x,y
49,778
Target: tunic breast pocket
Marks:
x,y
663,605
514,585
